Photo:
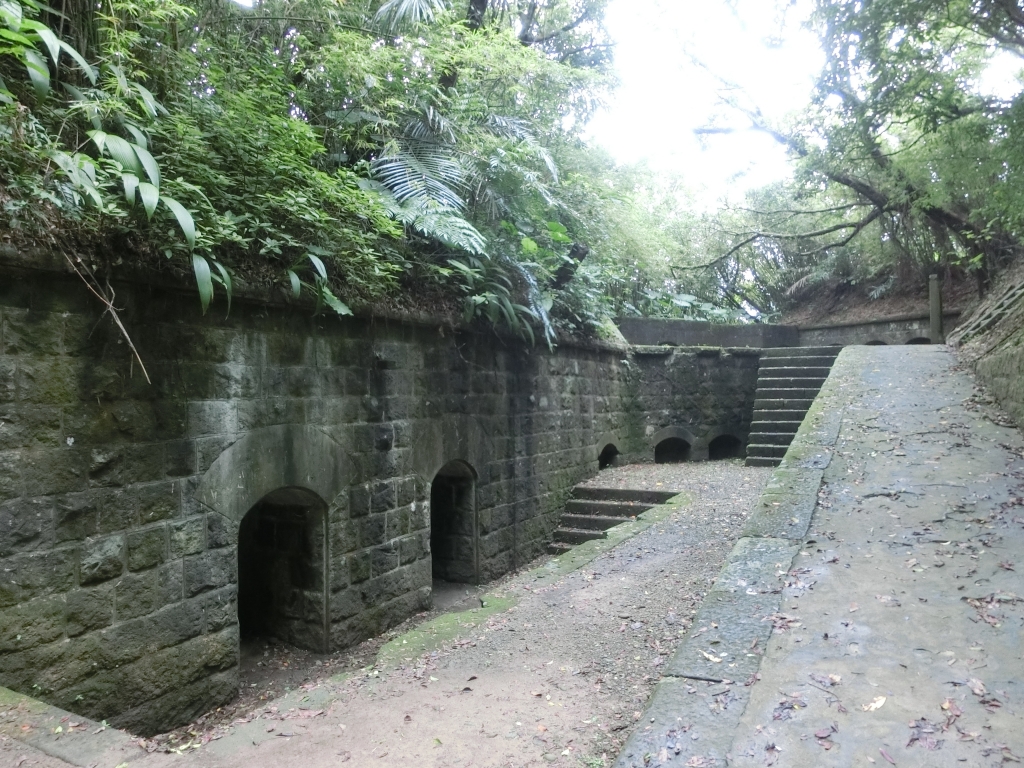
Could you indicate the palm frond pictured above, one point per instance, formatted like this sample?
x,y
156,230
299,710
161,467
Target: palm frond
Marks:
x,y
398,13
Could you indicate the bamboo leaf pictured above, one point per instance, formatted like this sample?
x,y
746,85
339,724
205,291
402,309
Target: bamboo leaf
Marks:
x,y
185,220
204,280
334,302
225,280
296,284
150,197
318,265
149,163
131,184
137,134
123,152
11,14
88,69
38,72
49,40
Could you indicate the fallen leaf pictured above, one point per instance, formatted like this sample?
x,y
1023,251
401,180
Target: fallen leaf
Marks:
x,y
874,705
887,756
977,687
711,658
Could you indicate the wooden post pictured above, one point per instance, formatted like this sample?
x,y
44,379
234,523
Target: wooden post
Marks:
x,y
935,308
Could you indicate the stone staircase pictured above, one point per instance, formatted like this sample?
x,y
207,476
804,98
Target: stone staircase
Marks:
x,y
788,380
590,512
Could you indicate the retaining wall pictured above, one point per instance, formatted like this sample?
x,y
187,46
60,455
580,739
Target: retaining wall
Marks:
x,y
121,500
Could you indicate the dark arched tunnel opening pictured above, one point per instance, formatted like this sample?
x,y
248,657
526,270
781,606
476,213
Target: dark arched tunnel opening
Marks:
x,y
726,447
609,457
672,450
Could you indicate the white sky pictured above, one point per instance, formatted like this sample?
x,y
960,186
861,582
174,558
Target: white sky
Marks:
x,y
663,96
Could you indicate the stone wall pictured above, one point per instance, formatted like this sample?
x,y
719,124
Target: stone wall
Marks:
x,y
121,501
911,329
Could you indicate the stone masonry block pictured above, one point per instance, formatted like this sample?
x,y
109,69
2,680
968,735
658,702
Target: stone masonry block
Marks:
x,y
212,569
89,609
25,524
188,537
32,623
32,574
139,594
147,548
102,559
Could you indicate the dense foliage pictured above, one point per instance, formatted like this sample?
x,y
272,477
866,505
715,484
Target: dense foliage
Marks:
x,y
904,166
356,151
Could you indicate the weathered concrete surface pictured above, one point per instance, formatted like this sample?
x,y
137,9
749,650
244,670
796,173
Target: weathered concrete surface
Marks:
x,y
897,639
32,732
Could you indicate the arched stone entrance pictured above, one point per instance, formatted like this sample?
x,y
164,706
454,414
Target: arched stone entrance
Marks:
x,y
454,533
726,447
282,576
608,457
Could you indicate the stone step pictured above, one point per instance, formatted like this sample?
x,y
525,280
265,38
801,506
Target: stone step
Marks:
x,y
622,494
761,461
832,352
769,438
784,416
577,535
559,548
794,371
781,404
785,393
769,425
767,451
591,522
791,382
622,509
798,362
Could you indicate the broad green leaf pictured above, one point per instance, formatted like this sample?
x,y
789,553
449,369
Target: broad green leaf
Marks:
x,y
149,163
296,284
318,265
137,134
204,280
88,69
185,220
10,12
123,152
152,105
334,302
150,197
16,37
99,138
38,72
49,40
131,185
225,280
529,246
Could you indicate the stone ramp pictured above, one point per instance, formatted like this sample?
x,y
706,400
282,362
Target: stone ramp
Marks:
x,y
873,613
53,738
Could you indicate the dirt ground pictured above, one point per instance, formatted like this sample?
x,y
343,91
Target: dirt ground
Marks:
x,y
559,678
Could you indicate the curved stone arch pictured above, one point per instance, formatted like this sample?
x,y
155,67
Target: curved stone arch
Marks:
x,y
603,441
918,339
698,446
718,431
271,458
675,431
460,439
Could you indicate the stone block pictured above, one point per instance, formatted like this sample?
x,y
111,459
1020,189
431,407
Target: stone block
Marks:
x,y
89,609
34,574
25,524
147,548
212,569
179,459
139,594
220,532
383,559
31,623
358,568
50,471
77,516
209,449
53,380
101,559
370,530
30,426
221,609
24,332
359,501
8,380
188,537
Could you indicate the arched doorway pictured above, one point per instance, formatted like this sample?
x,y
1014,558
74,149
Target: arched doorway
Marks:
x,y
453,524
282,579
608,457
726,447
919,340
874,343
672,450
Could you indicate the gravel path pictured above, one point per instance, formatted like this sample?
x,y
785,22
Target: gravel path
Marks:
x,y
560,678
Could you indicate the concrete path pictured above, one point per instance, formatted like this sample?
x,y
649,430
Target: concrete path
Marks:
x,y
896,627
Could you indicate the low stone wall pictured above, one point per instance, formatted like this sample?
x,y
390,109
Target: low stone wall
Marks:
x,y
657,331
122,502
896,330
